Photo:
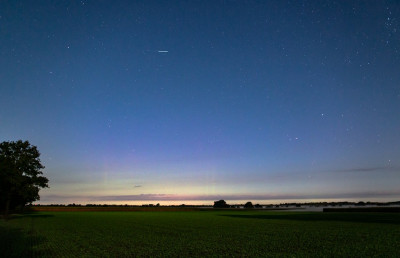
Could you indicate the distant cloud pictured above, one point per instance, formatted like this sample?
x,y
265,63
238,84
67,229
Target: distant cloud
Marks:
x,y
136,186
367,169
173,197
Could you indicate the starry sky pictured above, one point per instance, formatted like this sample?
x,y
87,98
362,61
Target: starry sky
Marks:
x,y
195,101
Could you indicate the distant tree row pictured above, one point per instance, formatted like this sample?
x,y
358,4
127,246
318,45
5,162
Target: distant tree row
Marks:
x,y
223,204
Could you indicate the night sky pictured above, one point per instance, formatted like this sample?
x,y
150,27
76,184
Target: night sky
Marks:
x,y
194,101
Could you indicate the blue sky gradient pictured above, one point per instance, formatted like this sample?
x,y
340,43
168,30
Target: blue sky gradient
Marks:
x,y
275,100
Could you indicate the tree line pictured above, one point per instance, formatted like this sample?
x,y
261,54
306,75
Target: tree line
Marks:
x,y
223,204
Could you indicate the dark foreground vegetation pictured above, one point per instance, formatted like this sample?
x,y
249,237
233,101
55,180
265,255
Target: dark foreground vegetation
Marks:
x,y
200,233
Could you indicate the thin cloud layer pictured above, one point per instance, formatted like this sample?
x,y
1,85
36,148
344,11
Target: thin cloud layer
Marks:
x,y
368,169
175,197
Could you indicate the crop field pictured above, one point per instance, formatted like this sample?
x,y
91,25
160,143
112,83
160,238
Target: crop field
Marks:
x,y
200,233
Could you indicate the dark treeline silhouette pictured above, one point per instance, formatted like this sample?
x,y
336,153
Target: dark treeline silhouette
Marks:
x,y
223,204
115,205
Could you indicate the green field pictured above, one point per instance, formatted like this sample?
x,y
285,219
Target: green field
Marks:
x,y
201,233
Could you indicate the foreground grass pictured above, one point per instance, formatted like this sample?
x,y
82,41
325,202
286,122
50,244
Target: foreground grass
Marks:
x,y
201,233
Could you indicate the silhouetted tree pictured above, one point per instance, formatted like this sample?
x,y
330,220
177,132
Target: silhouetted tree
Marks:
x,y
248,205
20,175
220,204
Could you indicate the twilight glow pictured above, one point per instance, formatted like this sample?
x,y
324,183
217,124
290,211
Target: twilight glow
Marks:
x,y
190,102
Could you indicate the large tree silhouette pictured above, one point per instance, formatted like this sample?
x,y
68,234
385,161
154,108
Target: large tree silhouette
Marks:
x,y
220,204
249,205
20,175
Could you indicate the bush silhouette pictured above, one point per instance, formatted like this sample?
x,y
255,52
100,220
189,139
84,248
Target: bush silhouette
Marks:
x,y
220,204
248,205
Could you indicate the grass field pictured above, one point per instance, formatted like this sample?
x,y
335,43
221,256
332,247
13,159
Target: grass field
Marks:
x,y
200,233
